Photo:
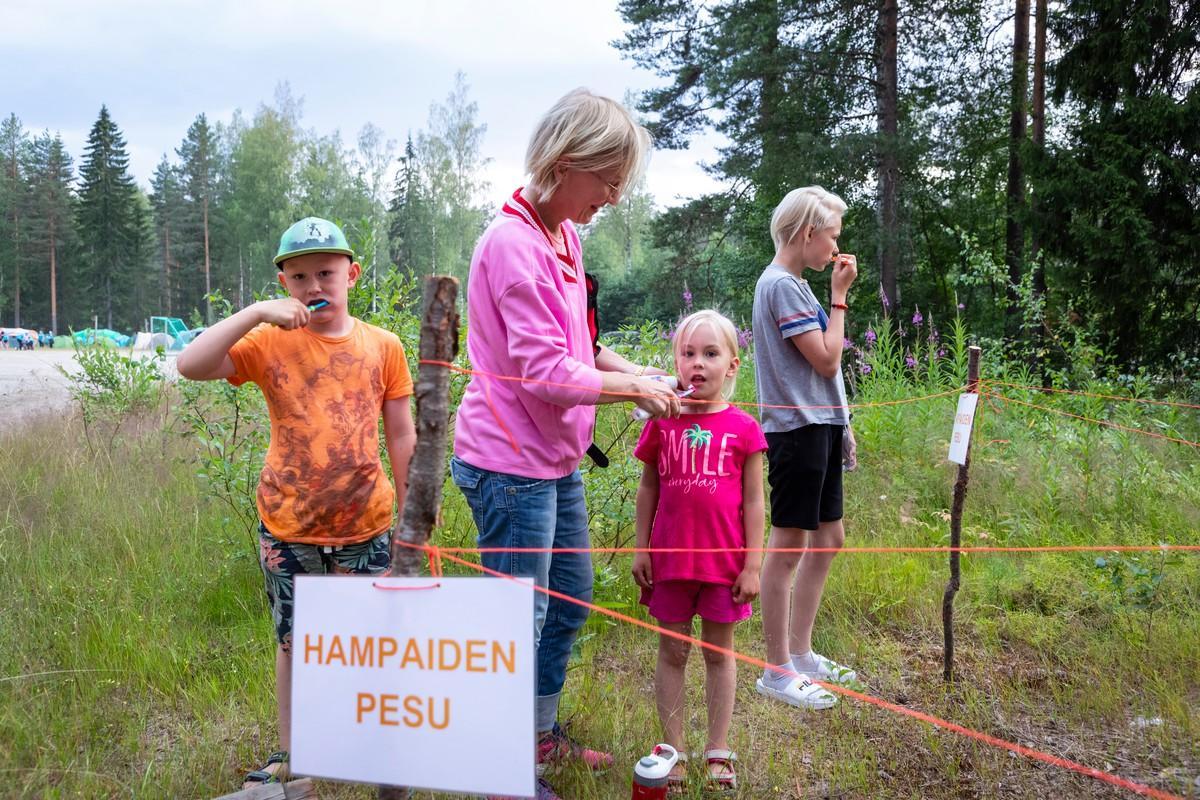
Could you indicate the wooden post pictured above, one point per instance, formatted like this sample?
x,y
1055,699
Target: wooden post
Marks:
x,y
956,512
426,473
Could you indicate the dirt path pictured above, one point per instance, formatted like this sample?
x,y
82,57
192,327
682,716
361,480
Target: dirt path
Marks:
x,y
32,384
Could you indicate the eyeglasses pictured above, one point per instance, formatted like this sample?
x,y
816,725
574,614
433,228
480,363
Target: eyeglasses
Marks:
x,y
613,188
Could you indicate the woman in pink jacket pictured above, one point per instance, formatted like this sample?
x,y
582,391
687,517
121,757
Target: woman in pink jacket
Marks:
x,y
518,444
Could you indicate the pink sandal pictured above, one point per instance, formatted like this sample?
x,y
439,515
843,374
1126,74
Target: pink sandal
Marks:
x,y
723,779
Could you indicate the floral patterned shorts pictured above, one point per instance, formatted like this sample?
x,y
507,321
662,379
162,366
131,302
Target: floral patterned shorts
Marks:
x,y
282,561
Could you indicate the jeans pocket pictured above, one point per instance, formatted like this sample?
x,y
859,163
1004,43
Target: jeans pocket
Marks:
x,y
464,475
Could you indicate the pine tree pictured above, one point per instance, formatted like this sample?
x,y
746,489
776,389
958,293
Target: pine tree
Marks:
x,y
1117,194
407,228
15,156
170,209
109,223
52,214
198,170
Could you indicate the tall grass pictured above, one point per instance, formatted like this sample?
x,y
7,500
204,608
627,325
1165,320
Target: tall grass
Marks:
x,y
136,651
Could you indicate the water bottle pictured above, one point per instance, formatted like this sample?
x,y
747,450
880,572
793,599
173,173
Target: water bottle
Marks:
x,y
651,773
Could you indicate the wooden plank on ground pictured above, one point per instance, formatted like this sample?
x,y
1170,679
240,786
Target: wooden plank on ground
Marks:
x,y
302,789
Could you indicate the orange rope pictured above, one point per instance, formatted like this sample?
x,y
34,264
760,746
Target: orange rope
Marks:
x,y
1028,752
1105,423
688,401
1091,394
1061,548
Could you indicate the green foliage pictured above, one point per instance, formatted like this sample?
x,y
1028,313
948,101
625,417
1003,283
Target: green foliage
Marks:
x,y
111,221
110,384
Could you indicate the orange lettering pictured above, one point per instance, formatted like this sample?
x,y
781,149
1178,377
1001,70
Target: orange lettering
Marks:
x,y
309,647
510,663
387,648
444,663
366,704
336,651
475,654
386,708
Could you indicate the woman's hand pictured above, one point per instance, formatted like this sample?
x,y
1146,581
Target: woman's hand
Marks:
x,y
655,398
643,573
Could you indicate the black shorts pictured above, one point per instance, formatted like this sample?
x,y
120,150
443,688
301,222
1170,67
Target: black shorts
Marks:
x,y
805,474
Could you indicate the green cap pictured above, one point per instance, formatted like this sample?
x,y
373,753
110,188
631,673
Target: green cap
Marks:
x,y
312,235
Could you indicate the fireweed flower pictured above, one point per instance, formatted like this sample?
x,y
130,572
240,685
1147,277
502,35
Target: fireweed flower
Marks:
x,y
687,298
941,353
847,344
866,369
909,361
961,306
917,318
870,337
744,337
884,300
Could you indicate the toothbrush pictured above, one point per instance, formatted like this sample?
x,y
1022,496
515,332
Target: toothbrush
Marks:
x,y
638,413
317,305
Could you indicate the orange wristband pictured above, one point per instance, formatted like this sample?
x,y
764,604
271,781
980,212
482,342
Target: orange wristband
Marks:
x,y
842,306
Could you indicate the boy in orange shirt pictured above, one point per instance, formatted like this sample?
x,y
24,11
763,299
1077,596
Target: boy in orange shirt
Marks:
x,y
324,500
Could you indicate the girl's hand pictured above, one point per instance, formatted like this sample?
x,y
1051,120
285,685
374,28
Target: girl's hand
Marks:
x,y
849,450
286,312
642,571
845,270
745,588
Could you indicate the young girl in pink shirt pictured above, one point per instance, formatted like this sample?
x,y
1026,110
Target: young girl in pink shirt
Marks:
x,y
701,487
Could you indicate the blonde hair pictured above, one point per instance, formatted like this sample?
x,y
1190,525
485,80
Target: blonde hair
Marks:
x,y
800,208
591,133
726,331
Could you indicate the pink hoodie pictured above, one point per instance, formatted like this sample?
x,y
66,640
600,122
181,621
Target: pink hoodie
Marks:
x,y
527,318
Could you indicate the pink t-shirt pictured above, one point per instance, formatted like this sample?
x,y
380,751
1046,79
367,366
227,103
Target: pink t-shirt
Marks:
x,y
700,460
527,318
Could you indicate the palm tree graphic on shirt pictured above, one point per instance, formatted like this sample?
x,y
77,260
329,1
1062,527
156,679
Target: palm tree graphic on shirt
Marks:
x,y
697,436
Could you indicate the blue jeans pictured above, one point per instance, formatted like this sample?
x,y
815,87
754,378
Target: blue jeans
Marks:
x,y
514,511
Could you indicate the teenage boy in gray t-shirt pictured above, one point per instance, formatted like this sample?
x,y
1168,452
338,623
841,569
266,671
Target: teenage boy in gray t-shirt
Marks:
x,y
798,358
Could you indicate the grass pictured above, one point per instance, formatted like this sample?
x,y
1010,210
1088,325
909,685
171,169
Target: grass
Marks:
x,y
136,648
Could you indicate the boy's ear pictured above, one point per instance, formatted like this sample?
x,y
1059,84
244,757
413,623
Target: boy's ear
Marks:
x,y
282,282
354,273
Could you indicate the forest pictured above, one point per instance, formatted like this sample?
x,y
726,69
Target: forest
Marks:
x,y
1031,165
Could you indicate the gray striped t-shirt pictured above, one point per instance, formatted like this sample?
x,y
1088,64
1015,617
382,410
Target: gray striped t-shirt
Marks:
x,y
785,306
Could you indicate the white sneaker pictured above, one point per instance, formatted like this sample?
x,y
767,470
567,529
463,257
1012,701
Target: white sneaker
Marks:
x,y
800,692
827,670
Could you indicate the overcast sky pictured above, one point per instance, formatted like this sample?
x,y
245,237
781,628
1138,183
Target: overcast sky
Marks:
x,y
159,63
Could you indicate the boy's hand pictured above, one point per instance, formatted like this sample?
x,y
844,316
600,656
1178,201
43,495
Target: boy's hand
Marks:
x,y
745,588
845,270
642,571
286,312
849,450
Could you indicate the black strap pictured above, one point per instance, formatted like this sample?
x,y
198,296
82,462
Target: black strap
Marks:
x,y
597,455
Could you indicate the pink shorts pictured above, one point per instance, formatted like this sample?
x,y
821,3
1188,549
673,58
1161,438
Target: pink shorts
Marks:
x,y
679,601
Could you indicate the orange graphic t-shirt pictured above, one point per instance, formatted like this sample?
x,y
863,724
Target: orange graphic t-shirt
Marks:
x,y
323,482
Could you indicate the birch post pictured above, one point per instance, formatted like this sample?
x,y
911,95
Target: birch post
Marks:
x,y
956,512
427,471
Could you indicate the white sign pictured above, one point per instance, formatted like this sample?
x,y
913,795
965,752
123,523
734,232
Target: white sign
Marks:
x,y
960,437
423,687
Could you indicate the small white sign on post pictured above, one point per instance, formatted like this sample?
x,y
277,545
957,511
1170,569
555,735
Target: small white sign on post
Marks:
x,y
399,683
963,419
